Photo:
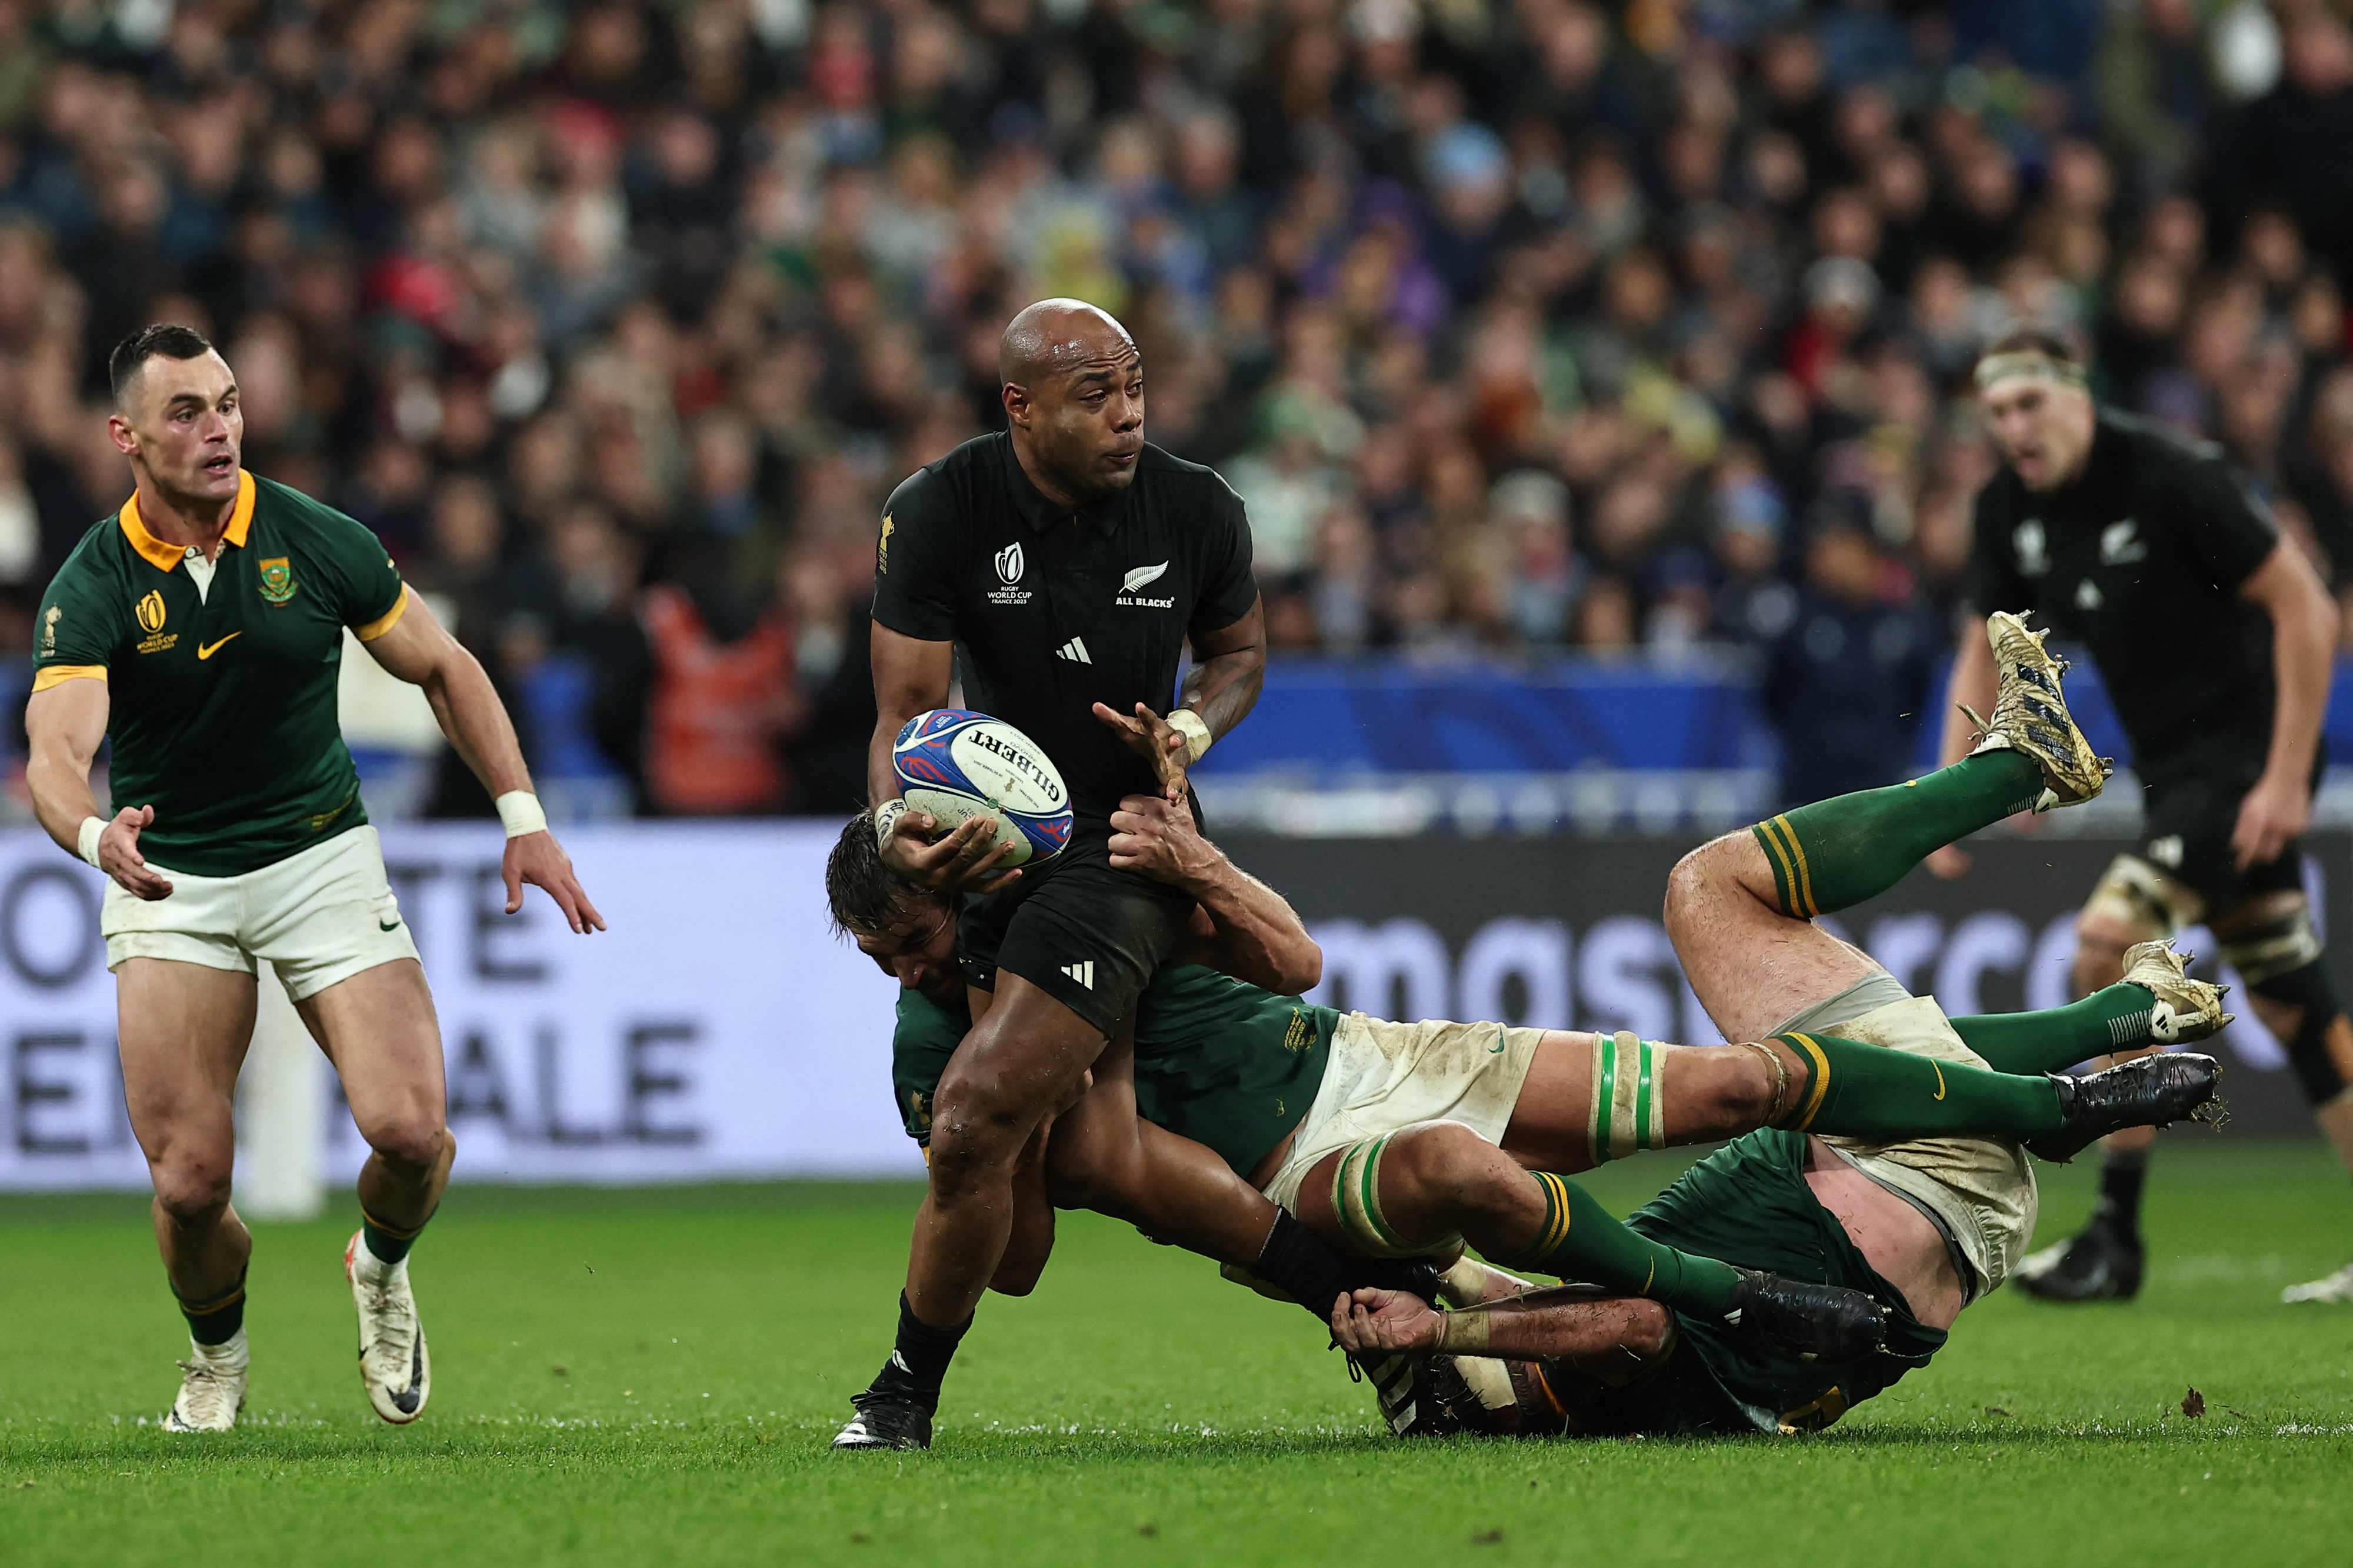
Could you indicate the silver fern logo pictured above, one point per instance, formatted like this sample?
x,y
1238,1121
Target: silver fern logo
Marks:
x,y
1142,577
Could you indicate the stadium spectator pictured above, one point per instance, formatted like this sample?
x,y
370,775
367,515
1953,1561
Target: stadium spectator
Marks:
x,y
1524,324
1848,680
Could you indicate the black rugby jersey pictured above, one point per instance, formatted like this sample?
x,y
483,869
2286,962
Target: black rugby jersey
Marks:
x,y
2140,558
1054,610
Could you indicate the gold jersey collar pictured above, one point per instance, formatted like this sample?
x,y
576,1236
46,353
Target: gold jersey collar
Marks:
x,y
163,556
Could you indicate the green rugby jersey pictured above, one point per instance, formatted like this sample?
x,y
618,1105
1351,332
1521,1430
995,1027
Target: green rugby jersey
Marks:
x,y
222,694
1223,1063
1749,1204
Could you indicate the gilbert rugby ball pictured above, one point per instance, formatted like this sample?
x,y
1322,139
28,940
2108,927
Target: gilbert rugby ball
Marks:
x,y
954,764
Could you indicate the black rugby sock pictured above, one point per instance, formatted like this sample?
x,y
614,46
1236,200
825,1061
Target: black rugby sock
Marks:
x,y
919,1362
1306,1268
2121,1176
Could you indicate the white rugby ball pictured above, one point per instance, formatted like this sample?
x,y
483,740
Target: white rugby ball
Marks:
x,y
954,764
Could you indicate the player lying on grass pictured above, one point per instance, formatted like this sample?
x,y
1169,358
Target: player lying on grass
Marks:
x,y
1403,1139
1927,1225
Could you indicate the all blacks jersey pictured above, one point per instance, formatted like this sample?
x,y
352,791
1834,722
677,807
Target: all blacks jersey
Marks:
x,y
1054,609
2140,558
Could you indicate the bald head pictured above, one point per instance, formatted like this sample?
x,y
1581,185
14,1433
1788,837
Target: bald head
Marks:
x,y
1056,337
1073,395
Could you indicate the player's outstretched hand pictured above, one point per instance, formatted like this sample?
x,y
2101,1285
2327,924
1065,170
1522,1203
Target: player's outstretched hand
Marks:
x,y
966,861
1156,839
1154,739
118,856
1375,1319
539,859
2275,811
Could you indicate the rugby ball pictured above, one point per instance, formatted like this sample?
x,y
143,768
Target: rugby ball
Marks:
x,y
954,764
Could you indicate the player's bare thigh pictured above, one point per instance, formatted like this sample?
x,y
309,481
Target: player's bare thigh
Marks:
x,y
1894,1238
379,1030
1750,965
184,1030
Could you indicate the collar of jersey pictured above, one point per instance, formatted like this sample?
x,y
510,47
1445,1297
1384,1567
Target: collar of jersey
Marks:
x,y
1041,513
163,556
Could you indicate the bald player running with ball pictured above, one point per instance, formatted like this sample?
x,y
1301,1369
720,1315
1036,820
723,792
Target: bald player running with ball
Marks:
x,y
1069,563
201,628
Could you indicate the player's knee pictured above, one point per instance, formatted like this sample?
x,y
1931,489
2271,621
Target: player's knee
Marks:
x,y
1697,881
193,1190
1446,1163
1724,1093
413,1140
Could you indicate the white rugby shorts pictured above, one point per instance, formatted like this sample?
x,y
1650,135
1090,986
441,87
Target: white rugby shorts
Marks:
x,y
318,916
1382,1076
1981,1188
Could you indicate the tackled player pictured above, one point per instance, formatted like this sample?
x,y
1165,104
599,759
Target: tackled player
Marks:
x,y
201,629
1402,1140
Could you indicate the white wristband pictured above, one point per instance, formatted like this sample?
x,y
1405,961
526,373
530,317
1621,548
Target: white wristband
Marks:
x,y
86,841
519,809
886,817
1194,729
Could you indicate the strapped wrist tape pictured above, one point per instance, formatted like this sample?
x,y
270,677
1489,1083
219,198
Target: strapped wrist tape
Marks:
x,y
1194,729
519,809
86,841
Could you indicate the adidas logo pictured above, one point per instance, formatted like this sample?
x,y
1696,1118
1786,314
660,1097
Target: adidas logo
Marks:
x,y
1083,973
1075,650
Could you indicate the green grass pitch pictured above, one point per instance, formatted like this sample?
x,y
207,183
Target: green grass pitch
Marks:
x,y
650,1377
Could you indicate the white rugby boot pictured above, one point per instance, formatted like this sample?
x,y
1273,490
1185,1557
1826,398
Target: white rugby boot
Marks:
x,y
2187,1010
212,1387
2337,1287
2030,716
395,1366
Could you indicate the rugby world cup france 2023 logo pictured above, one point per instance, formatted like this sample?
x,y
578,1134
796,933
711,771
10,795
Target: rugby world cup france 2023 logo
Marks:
x,y
1008,576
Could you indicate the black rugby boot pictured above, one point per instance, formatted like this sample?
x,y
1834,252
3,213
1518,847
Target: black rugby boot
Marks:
x,y
2148,1091
886,1418
2099,1263
1418,1394
1818,1322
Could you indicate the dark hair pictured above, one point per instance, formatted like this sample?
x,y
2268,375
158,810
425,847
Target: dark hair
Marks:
x,y
167,339
2047,341
862,893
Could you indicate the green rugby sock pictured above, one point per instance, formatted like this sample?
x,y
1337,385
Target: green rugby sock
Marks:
x,y
389,1243
1581,1241
1836,853
214,1321
1857,1091
2115,1019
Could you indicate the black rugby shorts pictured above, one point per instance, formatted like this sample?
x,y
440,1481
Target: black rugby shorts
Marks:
x,y
1086,935
2187,823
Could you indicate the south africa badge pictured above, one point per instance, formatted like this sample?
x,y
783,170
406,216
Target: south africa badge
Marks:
x,y
277,579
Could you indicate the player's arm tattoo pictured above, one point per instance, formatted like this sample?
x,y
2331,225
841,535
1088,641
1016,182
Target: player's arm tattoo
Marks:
x,y
1229,670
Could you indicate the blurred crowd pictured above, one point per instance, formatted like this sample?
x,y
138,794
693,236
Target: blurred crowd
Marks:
x,y
1521,325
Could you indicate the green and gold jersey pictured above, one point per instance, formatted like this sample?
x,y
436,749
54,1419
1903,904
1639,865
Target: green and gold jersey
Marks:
x,y
1749,1203
1223,1063
221,683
